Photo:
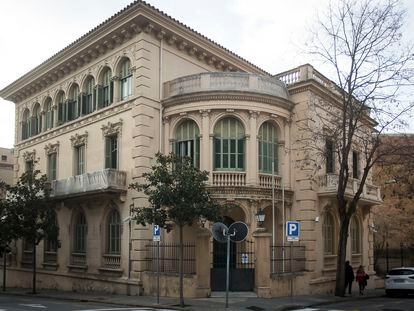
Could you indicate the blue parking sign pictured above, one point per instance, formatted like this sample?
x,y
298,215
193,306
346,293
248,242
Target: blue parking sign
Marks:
x,y
292,231
156,233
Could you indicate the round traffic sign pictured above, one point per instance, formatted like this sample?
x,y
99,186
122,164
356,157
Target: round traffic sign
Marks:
x,y
238,231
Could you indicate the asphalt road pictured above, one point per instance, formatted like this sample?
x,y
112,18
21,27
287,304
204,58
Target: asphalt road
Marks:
x,y
375,304
16,303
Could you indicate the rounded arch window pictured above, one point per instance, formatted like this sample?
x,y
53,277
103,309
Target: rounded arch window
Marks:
x,y
114,233
26,124
328,234
187,141
80,231
48,114
229,145
105,88
355,236
125,76
73,106
88,97
62,107
36,122
268,148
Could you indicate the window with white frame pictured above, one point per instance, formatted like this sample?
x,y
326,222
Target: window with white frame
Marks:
x,y
73,103
229,145
79,159
88,105
106,90
125,79
36,123
268,148
328,234
62,108
114,233
187,141
111,151
49,118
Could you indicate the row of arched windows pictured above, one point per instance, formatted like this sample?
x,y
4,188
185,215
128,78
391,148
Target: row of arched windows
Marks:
x,y
329,229
79,101
229,144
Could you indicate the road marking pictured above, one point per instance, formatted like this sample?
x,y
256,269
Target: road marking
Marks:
x,y
32,305
120,309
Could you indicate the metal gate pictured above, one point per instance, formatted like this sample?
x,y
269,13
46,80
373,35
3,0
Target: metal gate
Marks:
x,y
241,266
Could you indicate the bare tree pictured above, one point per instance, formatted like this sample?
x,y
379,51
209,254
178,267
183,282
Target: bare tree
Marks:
x,y
361,42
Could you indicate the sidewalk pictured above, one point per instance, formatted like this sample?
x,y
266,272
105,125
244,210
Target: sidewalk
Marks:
x,y
237,301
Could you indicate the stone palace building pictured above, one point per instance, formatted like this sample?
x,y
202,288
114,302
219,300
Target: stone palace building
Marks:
x,y
93,116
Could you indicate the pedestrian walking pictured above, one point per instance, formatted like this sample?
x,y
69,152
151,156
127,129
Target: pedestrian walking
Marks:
x,y
349,276
361,278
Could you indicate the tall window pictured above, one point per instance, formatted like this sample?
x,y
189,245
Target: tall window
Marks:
x,y
36,120
73,103
49,114
62,108
126,79
114,233
51,166
328,233
355,164
330,156
88,99
25,125
355,236
111,151
29,166
106,90
51,245
229,141
268,148
187,142
80,160
80,230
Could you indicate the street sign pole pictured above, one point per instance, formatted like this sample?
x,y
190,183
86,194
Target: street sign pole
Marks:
x,y
158,272
227,270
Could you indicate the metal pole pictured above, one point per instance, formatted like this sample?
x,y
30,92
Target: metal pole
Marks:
x,y
4,269
283,224
402,254
227,270
273,217
158,272
387,257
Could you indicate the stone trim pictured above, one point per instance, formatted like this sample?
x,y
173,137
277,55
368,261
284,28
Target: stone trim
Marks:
x,y
79,139
30,156
51,148
112,128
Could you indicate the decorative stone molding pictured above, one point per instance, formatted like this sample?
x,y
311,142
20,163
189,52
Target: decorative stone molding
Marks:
x,y
79,140
205,112
112,128
30,156
254,114
52,148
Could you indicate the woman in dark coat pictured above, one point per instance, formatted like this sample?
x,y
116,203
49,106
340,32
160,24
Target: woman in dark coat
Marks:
x,y
349,276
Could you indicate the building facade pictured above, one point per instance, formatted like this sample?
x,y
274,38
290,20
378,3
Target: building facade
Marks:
x,y
6,165
93,116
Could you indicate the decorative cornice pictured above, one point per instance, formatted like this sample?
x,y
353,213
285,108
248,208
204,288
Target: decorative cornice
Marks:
x,y
52,148
112,128
29,155
79,139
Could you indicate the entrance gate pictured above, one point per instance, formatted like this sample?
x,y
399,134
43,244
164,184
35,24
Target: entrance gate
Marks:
x,y
241,266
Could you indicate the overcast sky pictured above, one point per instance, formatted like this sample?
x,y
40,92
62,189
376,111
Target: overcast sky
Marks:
x,y
268,33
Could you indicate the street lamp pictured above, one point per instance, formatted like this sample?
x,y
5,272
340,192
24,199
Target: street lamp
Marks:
x,y
260,217
203,220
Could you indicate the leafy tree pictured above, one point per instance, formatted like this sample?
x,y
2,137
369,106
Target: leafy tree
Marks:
x,y
177,193
29,199
361,42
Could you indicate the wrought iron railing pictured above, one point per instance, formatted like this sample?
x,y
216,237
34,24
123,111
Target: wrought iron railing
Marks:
x,y
169,257
287,259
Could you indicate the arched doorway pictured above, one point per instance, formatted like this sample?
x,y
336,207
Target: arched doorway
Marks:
x,y
241,264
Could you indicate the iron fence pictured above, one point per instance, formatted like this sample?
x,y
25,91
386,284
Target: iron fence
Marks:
x,y
287,259
386,259
169,257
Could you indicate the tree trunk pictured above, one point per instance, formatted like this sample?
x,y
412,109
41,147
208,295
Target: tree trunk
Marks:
x,y
340,263
4,270
180,268
34,268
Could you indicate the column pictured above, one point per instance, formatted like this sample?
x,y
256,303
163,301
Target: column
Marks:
x,y
286,155
251,150
205,145
116,90
203,262
262,266
167,149
55,115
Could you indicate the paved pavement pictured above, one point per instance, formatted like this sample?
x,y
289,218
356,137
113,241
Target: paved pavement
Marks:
x,y
237,301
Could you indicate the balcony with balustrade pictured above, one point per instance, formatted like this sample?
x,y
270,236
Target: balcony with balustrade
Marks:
x,y
328,185
108,181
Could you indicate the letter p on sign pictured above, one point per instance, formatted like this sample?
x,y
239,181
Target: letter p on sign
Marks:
x,y
292,231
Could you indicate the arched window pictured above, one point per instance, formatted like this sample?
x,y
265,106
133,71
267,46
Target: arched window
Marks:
x,y
25,124
187,142
105,89
36,123
89,96
73,103
80,230
268,148
125,76
114,233
51,245
49,114
229,141
355,236
62,108
328,233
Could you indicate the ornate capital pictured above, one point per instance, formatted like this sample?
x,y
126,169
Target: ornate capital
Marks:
x,y
112,128
29,155
166,119
79,140
253,114
205,112
52,148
